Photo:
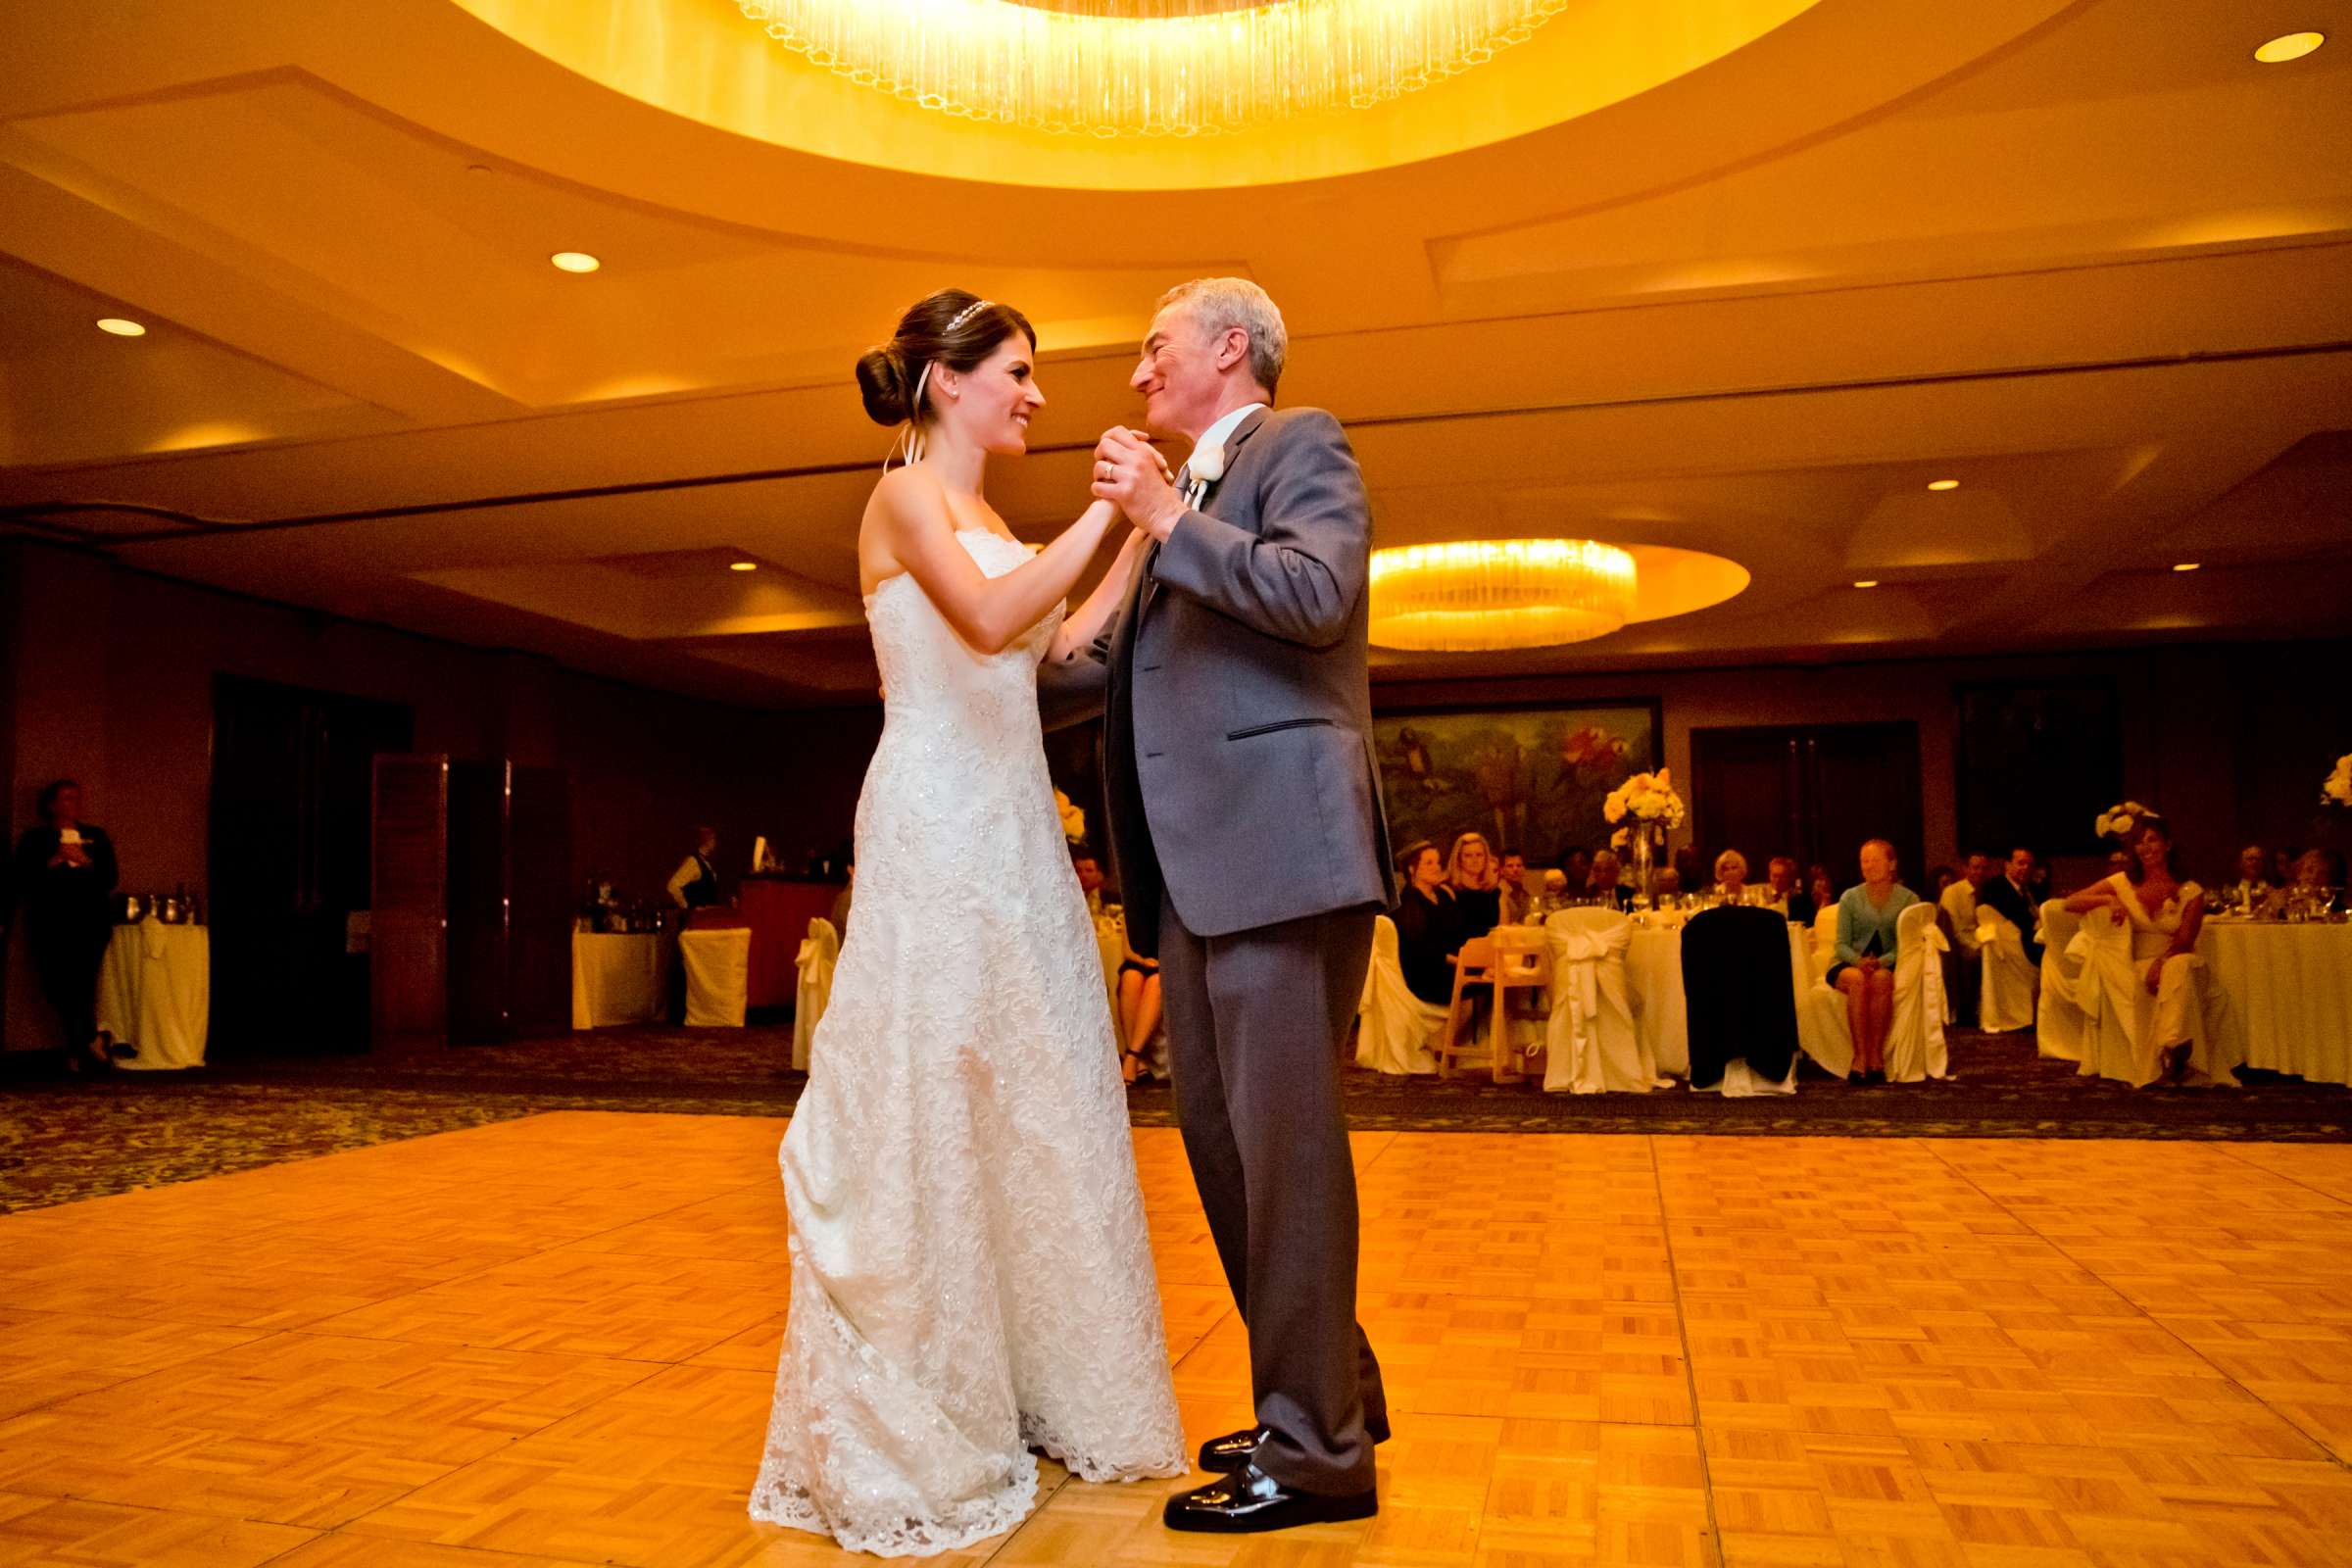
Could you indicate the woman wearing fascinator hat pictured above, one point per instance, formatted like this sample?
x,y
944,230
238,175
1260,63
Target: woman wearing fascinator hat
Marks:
x,y
971,1274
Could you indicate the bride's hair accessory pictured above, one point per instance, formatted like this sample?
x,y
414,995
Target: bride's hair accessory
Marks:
x,y
950,328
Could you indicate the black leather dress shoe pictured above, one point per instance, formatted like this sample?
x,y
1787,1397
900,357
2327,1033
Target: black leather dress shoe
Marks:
x,y
1222,1456
1250,1500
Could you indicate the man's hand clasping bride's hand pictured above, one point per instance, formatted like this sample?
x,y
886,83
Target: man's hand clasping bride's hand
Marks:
x,y
1130,474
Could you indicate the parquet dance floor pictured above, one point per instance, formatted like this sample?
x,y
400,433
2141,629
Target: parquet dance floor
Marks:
x,y
551,1341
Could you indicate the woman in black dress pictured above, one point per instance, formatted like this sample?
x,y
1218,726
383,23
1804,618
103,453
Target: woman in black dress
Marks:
x,y
61,877
1429,928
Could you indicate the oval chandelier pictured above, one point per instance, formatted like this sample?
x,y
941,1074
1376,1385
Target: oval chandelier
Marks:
x,y
1484,594
1146,68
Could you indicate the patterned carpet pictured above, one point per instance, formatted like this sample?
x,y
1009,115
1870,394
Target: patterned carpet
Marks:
x,y
62,1139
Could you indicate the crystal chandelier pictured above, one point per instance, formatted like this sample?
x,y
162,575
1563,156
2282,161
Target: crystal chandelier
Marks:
x,y
1146,68
1481,594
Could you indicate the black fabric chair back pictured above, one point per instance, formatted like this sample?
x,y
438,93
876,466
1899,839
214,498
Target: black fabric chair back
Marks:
x,y
1741,991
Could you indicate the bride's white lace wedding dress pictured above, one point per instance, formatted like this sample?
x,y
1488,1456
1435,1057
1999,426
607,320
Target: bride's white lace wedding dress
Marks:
x,y
971,1274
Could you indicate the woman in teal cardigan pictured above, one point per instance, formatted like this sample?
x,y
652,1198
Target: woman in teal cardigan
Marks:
x,y
1865,966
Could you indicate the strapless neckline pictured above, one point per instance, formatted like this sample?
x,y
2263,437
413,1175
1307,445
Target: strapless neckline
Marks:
x,y
960,533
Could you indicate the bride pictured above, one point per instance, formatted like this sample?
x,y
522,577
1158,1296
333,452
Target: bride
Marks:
x,y
970,1273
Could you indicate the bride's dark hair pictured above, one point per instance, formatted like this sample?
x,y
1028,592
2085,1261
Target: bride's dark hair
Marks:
x,y
952,329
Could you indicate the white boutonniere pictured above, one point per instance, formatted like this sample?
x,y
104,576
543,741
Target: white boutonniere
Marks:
x,y
1207,463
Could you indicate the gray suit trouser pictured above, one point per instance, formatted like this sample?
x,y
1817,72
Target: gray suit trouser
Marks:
x,y
1254,1025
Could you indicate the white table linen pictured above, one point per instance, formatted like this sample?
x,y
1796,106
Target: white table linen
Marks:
x,y
2290,992
154,993
718,976
617,977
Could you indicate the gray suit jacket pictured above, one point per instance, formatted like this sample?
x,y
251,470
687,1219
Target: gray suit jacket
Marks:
x,y
1237,737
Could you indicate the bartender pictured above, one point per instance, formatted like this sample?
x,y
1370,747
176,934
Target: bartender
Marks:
x,y
694,885
61,875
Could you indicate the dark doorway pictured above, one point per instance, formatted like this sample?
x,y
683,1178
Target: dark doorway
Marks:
x,y
1812,791
292,772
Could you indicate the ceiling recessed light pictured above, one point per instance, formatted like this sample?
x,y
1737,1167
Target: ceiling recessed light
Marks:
x,y
2186,566
742,566
2289,46
1866,582
121,327
1944,484
575,262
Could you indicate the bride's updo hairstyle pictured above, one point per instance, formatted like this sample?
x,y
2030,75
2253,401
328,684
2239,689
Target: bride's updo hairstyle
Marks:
x,y
953,329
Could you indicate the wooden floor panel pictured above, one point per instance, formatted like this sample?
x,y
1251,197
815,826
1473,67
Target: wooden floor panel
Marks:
x,y
553,1341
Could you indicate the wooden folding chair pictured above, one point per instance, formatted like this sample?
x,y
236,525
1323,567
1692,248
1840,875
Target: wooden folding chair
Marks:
x,y
1522,963
1474,965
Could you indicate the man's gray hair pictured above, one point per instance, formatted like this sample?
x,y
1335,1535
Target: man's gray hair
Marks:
x,y
1221,303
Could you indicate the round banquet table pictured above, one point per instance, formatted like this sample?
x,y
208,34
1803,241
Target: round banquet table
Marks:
x,y
2291,987
154,993
618,977
1653,972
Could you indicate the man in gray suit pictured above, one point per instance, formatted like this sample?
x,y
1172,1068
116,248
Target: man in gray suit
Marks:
x,y
1247,836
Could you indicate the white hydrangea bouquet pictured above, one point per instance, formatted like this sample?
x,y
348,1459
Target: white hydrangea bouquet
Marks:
x,y
1073,818
2337,791
2118,821
1649,798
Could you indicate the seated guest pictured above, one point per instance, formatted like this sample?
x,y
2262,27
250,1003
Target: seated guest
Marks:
x,y
2164,913
2253,887
1821,889
60,879
2011,894
1477,884
1602,884
1670,883
1429,928
1576,869
1517,898
1866,957
2319,878
694,885
2283,867
1139,1011
1555,890
1942,876
1731,875
1090,877
1783,894
1965,978
1689,871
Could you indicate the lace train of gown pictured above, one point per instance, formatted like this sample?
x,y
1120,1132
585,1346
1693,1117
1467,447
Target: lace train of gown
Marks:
x,y
971,1274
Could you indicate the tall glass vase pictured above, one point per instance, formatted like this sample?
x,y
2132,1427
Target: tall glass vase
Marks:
x,y
1645,864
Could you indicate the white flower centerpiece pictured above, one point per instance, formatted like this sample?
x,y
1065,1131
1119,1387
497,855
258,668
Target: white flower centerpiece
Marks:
x,y
1649,809
2117,822
1073,818
2338,788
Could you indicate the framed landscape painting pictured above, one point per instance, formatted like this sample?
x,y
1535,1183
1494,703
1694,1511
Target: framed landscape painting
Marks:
x,y
1531,779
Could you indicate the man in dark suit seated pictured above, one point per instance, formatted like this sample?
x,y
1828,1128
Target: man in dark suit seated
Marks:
x,y
1602,883
2012,895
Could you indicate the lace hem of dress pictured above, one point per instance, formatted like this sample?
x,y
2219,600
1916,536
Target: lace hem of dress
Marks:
x,y
1086,1467
976,1519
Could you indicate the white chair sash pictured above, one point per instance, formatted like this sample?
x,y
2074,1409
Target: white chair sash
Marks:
x,y
2059,1023
1590,1042
1915,1038
820,952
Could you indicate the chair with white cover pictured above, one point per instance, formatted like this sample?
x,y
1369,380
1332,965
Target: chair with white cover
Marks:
x,y
819,954
2061,1027
2128,1027
1831,1040
1591,1044
1915,1043
718,975
2005,986
1393,1027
